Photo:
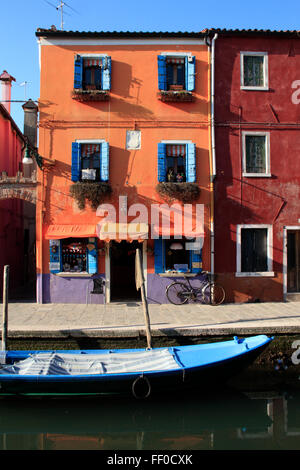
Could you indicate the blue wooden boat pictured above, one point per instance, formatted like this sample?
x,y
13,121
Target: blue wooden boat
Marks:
x,y
140,372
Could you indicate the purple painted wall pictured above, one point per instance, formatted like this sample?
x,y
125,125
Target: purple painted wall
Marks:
x,y
74,290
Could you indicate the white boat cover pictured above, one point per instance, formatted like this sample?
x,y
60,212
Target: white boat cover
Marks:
x,y
54,363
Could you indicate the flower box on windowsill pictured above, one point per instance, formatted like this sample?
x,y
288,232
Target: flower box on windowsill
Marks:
x,y
185,192
93,191
90,95
172,95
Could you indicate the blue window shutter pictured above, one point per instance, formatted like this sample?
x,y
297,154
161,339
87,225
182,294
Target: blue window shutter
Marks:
x,y
162,72
104,161
76,162
196,261
92,256
191,163
190,73
159,262
169,74
78,69
161,162
106,73
55,256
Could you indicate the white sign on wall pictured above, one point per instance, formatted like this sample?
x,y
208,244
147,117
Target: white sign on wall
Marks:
x,y
133,140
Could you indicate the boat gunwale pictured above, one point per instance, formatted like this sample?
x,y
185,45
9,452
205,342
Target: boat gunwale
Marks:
x,y
119,375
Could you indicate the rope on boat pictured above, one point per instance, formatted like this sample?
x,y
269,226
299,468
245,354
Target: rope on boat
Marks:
x,y
136,383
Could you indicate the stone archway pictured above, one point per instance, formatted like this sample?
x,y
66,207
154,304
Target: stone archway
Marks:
x,y
18,187
18,238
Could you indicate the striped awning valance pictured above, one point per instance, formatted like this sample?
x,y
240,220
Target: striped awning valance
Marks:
x,y
89,149
177,150
175,60
92,62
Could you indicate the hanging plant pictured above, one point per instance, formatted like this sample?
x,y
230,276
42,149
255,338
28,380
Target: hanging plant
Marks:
x,y
178,95
185,192
93,191
90,95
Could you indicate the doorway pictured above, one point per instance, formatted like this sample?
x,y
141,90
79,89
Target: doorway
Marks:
x,y
293,261
122,271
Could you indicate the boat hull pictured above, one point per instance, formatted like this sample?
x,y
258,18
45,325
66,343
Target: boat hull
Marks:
x,y
193,373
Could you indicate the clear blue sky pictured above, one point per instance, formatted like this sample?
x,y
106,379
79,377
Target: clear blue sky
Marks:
x,y
19,20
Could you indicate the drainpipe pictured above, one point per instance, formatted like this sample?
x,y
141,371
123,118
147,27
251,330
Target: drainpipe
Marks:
x,y
213,155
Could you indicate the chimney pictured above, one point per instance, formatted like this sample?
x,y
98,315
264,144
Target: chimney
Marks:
x,y
30,121
6,80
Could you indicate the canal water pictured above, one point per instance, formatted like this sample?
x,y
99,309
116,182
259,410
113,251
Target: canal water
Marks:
x,y
258,410
224,419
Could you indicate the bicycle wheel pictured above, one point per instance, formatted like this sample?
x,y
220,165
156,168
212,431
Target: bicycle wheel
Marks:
x,y
177,293
214,294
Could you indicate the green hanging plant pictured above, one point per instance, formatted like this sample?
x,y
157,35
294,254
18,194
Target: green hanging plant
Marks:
x,y
93,191
185,192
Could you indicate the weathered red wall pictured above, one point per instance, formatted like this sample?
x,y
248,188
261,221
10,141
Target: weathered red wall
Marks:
x,y
11,210
260,200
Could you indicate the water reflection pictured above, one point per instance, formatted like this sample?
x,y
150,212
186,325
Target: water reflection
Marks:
x,y
227,420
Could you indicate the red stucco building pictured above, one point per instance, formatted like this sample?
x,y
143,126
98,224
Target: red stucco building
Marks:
x,y
11,210
256,125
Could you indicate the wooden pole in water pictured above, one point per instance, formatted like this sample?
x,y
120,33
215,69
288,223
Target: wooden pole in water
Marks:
x,y
140,284
5,306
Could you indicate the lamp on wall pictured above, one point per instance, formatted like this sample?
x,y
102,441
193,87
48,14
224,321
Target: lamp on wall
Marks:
x,y
40,161
27,160
176,246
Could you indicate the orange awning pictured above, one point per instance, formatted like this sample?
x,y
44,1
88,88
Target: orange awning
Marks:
x,y
122,231
177,231
58,231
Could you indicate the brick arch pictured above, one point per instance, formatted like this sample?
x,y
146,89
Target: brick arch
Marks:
x,y
26,194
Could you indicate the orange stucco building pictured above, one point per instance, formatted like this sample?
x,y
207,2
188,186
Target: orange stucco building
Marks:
x,y
126,116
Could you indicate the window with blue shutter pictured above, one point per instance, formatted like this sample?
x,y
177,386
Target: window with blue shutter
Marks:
x,y
55,264
168,256
92,255
90,161
78,71
104,162
176,72
162,72
76,162
159,262
106,73
191,163
196,261
92,73
176,162
161,162
190,73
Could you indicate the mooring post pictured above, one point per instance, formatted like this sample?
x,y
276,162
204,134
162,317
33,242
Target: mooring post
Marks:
x,y
140,284
5,306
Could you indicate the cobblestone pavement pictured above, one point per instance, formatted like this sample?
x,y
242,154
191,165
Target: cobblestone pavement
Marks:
x,y
127,319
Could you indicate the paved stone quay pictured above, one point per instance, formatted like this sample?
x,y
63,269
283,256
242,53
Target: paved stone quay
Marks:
x,y
117,320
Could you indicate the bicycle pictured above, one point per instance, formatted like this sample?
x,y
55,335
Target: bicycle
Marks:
x,y
178,293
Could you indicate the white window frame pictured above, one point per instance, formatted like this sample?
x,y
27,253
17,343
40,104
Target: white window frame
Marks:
x,y
239,272
267,173
265,86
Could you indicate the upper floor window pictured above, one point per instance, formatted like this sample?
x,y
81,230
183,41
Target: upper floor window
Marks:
x,y
254,70
176,161
176,72
90,161
256,154
92,72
